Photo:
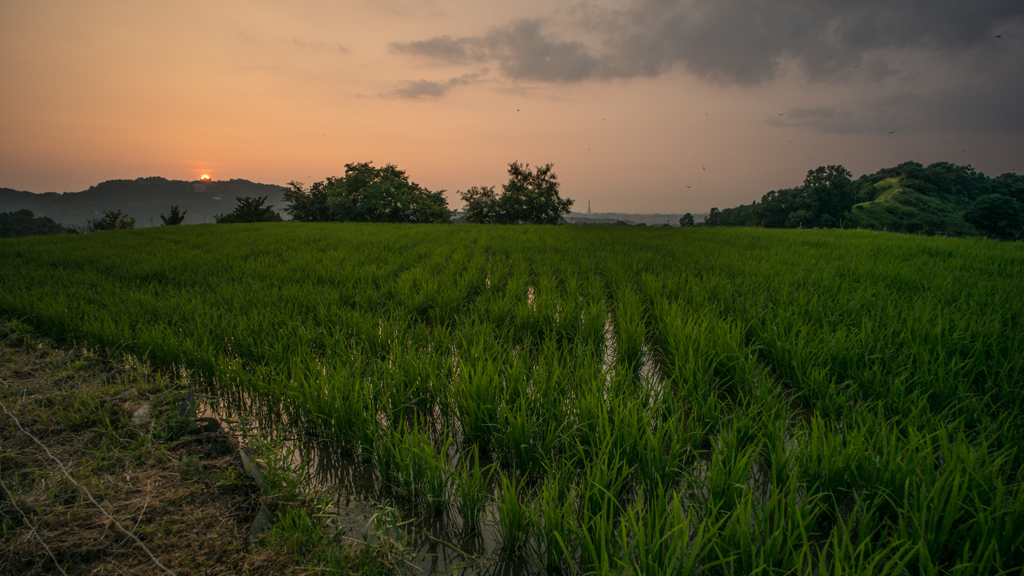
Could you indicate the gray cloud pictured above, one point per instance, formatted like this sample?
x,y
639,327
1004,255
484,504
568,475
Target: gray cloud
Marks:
x,y
729,41
521,50
441,48
986,106
428,89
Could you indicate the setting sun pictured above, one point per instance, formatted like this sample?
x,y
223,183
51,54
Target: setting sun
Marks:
x,y
205,177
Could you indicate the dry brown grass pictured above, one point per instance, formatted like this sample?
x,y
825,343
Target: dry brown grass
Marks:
x,y
186,497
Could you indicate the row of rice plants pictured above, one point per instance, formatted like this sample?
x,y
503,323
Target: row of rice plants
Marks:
x,y
621,401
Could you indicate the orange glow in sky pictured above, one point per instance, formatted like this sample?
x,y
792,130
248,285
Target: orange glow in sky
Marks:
x,y
205,177
452,91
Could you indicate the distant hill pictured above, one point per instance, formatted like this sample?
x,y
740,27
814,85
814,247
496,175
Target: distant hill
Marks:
x,y
942,198
144,199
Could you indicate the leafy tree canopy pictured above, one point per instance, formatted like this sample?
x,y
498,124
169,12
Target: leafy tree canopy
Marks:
x,y
941,198
997,215
686,220
824,199
481,205
529,197
367,194
111,220
713,218
176,217
249,209
26,223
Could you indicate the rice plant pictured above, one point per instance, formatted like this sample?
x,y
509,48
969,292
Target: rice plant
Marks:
x,y
715,401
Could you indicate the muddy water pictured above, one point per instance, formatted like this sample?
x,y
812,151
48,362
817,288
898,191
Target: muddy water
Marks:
x,y
436,543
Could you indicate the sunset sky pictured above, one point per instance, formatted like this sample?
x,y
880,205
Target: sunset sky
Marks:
x,y
645,106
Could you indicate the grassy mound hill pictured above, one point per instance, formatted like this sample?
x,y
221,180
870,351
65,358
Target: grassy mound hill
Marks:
x,y
939,199
898,207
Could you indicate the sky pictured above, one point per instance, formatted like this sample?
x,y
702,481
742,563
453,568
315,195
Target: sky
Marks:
x,y
642,106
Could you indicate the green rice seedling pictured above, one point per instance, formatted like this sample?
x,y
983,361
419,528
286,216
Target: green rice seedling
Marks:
x,y
726,478
857,547
517,444
470,485
662,459
592,422
604,485
775,535
600,495
339,400
477,394
554,524
651,535
629,330
513,515
407,460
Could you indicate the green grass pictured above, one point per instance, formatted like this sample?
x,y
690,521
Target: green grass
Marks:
x,y
897,208
655,400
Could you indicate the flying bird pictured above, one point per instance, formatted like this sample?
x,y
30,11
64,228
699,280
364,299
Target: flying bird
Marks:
x,y
999,36
890,132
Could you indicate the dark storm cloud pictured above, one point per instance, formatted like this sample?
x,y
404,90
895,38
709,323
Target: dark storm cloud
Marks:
x,y
730,41
521,50
990,107
429,89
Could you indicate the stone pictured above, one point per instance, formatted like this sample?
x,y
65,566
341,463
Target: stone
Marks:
x,y
142,415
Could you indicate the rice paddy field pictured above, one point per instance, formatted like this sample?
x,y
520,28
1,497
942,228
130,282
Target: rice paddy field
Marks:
x,y
600,400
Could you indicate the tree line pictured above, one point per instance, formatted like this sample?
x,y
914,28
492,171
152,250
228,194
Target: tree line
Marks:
x,y
369,194
365,193
941,198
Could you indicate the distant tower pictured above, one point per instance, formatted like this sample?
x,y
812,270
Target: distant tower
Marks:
x,y
588,206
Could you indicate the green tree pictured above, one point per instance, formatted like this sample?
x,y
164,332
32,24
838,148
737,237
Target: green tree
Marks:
x,y
997,216
176,217
800,219
367,194
25,223
830,193
775,206
249,209
531,196
826,197
111,220
686,220
481,205
1009,184
713,217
